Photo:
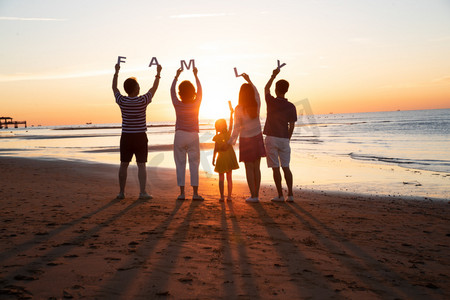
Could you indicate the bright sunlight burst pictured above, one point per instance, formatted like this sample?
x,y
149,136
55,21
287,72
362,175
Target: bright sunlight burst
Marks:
x,y
215,97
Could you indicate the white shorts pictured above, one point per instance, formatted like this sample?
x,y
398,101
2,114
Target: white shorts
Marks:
x,y
278,151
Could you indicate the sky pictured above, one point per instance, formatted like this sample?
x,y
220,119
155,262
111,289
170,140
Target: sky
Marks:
x,y
57,57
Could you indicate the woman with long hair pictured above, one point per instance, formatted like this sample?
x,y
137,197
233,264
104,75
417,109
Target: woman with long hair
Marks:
x,y
248,127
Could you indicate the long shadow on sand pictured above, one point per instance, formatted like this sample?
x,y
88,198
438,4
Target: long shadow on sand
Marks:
x,y
60,250
149,275
246,269
162,269
39,239
286,250
355,259
127,274
227,263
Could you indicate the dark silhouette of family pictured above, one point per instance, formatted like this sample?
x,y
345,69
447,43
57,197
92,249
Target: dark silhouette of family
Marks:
x,y
278,130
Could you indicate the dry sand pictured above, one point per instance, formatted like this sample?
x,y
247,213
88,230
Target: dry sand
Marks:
x,y
64,236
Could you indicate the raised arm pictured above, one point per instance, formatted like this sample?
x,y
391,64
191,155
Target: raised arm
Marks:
x,y
237,126
199,87
156,82
173,92
269,83
114,82
231,119
257,97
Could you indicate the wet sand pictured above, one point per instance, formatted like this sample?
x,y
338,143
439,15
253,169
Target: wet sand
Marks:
x,y
64,236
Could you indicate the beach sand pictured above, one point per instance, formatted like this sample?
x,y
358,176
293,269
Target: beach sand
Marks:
x,y
64,236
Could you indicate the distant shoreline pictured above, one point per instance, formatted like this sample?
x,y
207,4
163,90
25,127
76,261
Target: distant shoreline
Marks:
x,y
207,121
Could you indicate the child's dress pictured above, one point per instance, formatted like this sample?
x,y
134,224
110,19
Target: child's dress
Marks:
x,y
226,158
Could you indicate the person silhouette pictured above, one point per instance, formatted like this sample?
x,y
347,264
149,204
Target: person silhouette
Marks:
x,y
186,140
133,140
248,128
279,127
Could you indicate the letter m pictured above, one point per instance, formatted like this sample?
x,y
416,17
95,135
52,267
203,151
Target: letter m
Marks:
x,y
191,62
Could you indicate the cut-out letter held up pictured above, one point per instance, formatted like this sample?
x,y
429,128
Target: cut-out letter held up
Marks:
x,y
230,105
191,62
280,66
236,73
119,59
154,62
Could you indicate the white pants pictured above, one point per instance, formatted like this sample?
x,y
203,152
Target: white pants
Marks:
x,y
186,143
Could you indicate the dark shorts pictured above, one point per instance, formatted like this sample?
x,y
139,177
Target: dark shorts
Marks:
x,y
134,143
251,148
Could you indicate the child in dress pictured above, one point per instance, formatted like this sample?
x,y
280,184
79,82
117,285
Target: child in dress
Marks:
x,y
226,158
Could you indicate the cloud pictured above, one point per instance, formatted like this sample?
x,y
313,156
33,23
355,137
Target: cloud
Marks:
x,y
31,76
369,42
402,85
30,19
364,41
187,16
442,80
67,75
440,39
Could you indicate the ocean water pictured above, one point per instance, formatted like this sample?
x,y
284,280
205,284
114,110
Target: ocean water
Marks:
x,y
410,139
401,153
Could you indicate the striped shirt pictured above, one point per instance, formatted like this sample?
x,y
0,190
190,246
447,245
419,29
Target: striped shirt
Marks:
x,y
133,111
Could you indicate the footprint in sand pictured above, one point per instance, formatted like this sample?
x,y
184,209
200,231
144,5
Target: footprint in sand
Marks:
x,y
18,291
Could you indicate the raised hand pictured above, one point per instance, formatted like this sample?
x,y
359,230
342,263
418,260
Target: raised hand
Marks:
x,y
179,72
246,77
276,72
231,107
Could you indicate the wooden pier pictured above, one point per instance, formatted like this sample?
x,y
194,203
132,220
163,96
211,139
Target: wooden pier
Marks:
x,y
5,121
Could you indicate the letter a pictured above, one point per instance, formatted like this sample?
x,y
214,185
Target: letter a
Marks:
x,y
191,62
119,59
280,66
153,62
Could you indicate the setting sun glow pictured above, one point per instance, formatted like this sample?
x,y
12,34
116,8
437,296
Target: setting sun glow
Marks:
x,y
345,56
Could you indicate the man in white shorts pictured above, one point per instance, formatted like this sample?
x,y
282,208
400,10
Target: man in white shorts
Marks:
x,y
280,122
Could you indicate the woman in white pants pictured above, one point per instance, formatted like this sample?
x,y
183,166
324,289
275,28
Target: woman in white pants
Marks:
x,y
186,141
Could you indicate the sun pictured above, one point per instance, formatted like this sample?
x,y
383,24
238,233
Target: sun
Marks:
x,y
216,95
213,109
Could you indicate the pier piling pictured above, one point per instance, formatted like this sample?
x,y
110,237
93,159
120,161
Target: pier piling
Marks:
x,y
5,121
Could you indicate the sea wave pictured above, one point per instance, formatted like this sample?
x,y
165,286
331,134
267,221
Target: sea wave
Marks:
x,y
436,165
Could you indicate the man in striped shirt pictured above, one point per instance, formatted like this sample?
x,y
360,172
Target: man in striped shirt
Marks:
x,y
133,140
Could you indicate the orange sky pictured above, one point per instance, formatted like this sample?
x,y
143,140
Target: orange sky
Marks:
x,y
58,60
